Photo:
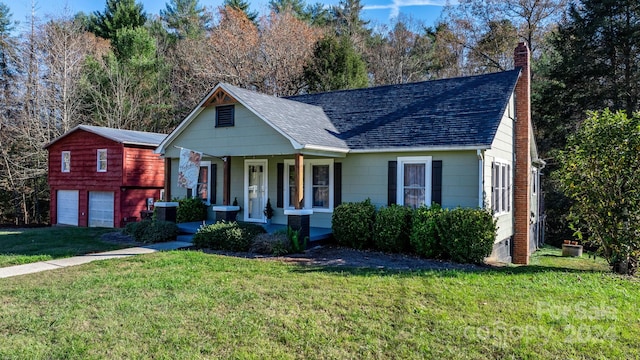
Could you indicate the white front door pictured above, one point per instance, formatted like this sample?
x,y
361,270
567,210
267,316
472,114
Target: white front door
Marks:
x,y
255,193
67,207
101,209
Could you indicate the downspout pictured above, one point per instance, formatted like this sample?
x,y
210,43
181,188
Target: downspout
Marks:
x,y
480,154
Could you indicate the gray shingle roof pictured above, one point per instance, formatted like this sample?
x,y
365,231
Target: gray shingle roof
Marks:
x,y
464,111
129,137
306,124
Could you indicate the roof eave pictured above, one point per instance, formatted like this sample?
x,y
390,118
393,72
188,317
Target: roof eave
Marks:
x,y
422,149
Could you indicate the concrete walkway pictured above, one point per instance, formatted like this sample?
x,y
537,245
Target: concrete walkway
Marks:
x,y
78,260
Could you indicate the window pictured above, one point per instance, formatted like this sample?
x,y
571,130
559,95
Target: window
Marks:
x,y
317,184
534,181
66,161
225,116
203,189
501,187
414,181
102,160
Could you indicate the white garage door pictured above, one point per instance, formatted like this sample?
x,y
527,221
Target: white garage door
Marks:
x,y
100,209
68,207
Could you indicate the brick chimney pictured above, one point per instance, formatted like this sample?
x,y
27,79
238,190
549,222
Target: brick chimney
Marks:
x,y
522,167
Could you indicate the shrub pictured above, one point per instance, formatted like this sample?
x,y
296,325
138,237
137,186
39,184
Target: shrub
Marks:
x,y
191,210
466,234
294,240
352,224
230,236
424,237
392,228
271,244
152,231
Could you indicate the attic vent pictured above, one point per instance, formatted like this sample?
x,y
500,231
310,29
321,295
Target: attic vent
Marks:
x,y
224,116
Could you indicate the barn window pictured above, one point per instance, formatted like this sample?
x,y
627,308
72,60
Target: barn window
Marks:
x,y
224,116
66,161
102,160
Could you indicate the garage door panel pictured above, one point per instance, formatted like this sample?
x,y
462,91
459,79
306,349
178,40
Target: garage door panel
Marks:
x,y
67,208
101,206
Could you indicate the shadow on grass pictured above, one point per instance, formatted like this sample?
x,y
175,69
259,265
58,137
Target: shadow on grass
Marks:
x,y
445,273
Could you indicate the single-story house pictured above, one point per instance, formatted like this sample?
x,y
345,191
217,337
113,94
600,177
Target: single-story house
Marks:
x,y
464,141
103,177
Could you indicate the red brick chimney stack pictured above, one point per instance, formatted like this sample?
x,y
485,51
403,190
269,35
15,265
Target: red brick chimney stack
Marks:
x,y
522,186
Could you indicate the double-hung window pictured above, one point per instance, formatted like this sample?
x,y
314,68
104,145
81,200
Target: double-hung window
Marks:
x,y
317,184
66,161
102,160
501,187
414,181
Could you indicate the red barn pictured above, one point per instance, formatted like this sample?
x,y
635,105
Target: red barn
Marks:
x,y
103,177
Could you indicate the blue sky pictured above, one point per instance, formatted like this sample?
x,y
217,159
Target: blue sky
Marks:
x,y
377,11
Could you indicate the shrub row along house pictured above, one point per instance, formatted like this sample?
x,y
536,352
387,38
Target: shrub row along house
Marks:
x,y
464,141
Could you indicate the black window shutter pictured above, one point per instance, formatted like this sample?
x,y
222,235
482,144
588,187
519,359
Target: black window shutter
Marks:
x,y
436,182
337,184
214,170
280,185
392,181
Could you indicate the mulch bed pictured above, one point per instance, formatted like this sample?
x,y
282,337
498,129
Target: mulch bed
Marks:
x,y
331,256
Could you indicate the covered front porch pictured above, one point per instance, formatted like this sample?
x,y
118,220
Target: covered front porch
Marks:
x,y
316,234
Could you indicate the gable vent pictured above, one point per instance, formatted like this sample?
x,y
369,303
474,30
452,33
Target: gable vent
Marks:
x,y
224,116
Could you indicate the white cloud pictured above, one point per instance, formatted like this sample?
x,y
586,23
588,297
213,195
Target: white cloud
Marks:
x,y
395,6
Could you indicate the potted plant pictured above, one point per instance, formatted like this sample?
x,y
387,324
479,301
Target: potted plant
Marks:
x,y
268,211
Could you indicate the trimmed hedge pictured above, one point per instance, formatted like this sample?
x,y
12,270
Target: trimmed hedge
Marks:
x,y
232,236
152,231
424,235
191,210
392,228
466,234
352,224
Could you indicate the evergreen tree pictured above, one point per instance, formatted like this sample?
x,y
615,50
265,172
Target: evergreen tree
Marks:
x,y
117,14
186,18
243,6
295,6
335,65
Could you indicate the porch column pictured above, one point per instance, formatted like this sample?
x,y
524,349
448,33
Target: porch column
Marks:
x,y
299,169
299,218
167,179
226,181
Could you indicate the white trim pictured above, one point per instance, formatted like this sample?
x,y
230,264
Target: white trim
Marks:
x,y
105,160
62,169
264,163
498,198
307,184
422,149
194,192
225,208
480,179
402,160
325,148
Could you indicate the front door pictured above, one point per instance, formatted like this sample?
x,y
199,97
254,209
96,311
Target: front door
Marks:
x,y
255,193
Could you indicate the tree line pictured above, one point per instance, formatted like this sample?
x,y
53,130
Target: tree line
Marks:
x,y
125,68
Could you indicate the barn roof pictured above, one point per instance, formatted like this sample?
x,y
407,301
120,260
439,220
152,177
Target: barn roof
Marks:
x,y
127,137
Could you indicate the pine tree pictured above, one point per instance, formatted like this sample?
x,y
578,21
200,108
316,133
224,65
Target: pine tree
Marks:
x,y
186,18
118,14
335,65
243,6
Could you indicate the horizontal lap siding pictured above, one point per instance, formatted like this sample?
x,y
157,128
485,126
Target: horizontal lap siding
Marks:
x,y
366,176
143,168
83,147
133,201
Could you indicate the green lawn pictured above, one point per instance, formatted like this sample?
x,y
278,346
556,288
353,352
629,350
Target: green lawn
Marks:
x,y
23,246
187,304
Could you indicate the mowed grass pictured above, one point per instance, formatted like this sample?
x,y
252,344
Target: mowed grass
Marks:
x,y
21,246
188,304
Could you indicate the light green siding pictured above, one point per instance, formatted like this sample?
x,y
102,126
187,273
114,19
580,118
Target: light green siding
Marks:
x,y
249,136
366,176
501,150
